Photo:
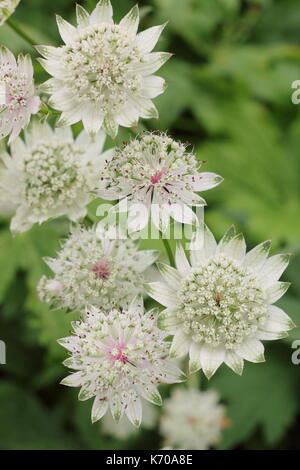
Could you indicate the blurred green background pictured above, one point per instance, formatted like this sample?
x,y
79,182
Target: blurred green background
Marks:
x,y
229,95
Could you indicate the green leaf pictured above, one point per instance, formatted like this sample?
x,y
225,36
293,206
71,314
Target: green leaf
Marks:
x,y
268,185
192,20
266,397
178,95
45,325
9,260
26,424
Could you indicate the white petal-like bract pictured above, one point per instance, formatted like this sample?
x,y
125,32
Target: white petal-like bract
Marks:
x,y
124,428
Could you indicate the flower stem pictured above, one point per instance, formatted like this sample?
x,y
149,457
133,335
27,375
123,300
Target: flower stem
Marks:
x,y
193,380
47,110
18,29
168,250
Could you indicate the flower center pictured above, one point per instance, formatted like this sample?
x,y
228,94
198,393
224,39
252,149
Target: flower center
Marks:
x,y
52,176
221,303
151,161
102,269
14,87
157,177
98,66
192,420
116,354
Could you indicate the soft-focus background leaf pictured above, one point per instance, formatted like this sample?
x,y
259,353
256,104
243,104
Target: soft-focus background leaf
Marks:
x,y
265,400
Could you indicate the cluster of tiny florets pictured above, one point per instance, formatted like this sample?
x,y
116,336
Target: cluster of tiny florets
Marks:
x,y
49,175
53,176
91,274
153,161
117,364
18,99
119,356
221,303
97,66
15,84
103,75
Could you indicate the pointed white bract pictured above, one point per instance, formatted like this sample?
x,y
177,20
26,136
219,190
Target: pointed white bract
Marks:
x,y
90,270
103,75
18,98
119,357
124,428
155,176
219,306
7,7
192,419
50,174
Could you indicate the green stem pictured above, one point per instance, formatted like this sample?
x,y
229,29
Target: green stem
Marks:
x,y
168,250
18,29
193,380
47,110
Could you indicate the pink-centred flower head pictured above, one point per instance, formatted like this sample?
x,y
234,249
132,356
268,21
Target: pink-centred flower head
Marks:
x,y
18,97
119,357
155,177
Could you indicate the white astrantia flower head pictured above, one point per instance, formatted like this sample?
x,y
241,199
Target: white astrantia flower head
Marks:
x,y
103,75
219,305
7,7
93,270
18,98
192,419
124,428
119,357
50,174
158,174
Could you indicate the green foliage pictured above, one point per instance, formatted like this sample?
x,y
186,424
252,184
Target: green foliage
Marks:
x,y
8,261
26,424
267,397
229,94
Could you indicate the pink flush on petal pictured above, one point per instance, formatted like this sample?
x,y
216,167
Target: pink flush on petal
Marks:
x,y
15,102
191,420
102,269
